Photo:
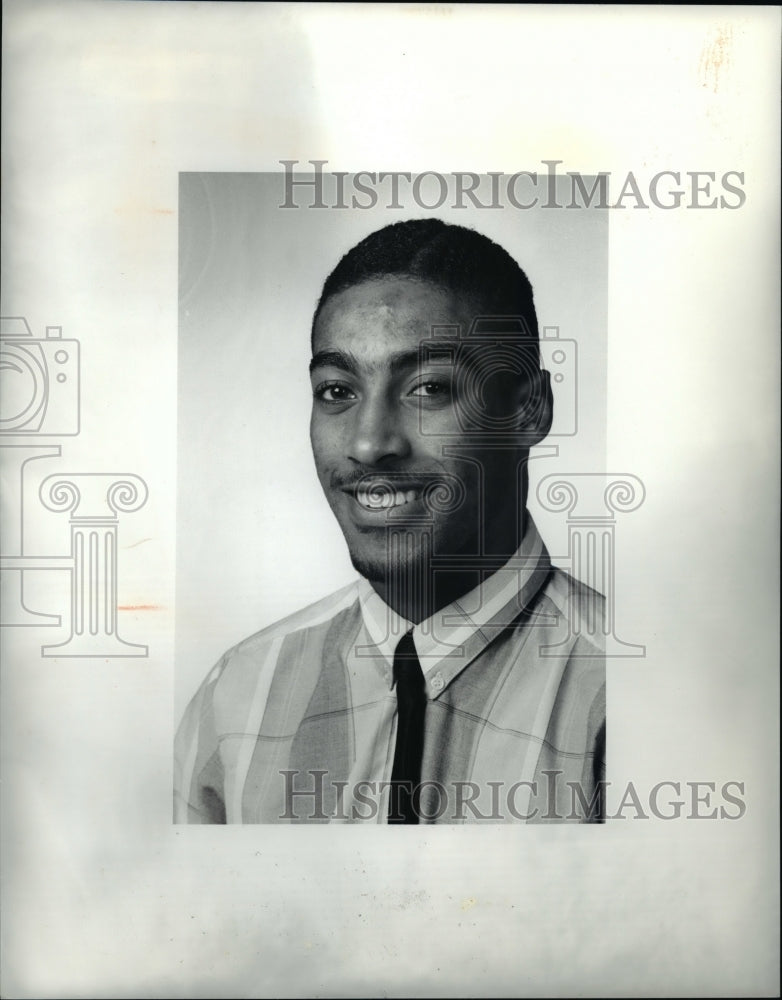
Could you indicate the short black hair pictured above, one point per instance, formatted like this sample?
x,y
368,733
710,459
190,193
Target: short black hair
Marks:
x,y
454,257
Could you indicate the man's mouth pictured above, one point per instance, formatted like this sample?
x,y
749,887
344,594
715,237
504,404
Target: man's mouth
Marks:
x,y
384,496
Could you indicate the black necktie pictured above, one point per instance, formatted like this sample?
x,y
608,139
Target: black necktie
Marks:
x,y
411,701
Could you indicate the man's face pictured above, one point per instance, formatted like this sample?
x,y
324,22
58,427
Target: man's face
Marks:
x,y
390,450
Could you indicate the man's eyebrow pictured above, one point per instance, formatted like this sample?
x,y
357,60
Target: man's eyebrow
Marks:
x,y
403,360
334,359
348,362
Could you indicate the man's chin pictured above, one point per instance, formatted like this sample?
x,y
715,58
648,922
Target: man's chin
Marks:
x,y
382,570
392,558
371,569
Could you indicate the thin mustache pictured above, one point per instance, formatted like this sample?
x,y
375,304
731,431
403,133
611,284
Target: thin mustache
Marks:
x,y
354,479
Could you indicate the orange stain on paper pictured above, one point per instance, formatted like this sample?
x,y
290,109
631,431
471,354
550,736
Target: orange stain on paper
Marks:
x,y
716,56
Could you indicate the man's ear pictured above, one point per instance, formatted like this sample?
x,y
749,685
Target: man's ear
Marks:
x,y
536,407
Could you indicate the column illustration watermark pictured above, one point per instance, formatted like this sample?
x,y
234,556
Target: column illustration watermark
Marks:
x,y
591,502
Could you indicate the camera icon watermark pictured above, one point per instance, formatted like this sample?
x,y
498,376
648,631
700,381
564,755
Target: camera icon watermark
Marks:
x,y
559,356
39,381
481,362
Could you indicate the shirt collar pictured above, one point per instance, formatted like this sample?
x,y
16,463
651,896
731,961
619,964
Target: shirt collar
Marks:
x,y
452,638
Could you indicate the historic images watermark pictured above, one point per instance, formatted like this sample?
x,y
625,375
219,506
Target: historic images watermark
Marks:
x,y
310,796
471,362
525,189
40,403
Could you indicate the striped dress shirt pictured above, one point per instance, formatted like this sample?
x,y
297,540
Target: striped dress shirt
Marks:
x,y
298,722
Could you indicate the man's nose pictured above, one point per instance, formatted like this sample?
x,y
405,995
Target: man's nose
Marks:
x,y
379,434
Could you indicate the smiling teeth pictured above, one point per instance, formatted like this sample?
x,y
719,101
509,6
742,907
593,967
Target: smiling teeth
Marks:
x,y
385,499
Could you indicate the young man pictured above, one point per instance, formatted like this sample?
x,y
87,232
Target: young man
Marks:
x,y
462,678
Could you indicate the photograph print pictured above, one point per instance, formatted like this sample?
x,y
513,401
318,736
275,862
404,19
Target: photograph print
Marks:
x,y
396,537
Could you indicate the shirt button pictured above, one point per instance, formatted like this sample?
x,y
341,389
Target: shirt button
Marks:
x,y
437,682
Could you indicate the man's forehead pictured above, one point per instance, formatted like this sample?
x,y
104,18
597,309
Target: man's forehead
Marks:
x,y
384,316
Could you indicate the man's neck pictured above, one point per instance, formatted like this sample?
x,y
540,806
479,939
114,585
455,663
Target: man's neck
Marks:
x,y
415,599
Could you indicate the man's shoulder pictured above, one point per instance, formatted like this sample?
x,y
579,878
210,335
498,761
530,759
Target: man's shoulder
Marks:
x,y
320,613
579,604
567,587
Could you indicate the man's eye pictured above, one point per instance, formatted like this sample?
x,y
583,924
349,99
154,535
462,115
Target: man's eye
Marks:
x,y
333,392
431,389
